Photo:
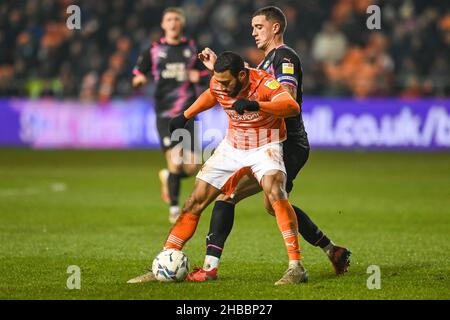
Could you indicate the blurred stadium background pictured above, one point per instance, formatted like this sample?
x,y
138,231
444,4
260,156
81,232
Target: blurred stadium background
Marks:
x,y
409,57
377,90
75,72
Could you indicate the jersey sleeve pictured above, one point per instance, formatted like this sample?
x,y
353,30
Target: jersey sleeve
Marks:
x,y
269,89
287,68
276,100
204,102
143,64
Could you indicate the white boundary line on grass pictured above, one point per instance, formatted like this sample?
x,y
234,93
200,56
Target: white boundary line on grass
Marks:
x,y
54,187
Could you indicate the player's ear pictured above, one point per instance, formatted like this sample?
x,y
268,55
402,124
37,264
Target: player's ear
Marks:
x,y
242,75
276,27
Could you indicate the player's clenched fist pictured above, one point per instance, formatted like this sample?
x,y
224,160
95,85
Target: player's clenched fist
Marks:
x,y
208,57
177,123
242,105
139,80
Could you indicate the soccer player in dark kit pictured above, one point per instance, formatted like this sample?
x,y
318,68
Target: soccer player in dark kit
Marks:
x,y
172,63
283,63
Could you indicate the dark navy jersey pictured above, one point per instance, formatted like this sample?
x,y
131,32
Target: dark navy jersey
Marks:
x,y
168,65
284,64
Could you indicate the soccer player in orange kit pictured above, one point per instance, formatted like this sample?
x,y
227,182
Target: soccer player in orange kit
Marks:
x,y
255,104
283,63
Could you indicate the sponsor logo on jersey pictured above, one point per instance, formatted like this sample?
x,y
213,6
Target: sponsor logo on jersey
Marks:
x,y
248,116
187,53
287,68
272,84
162,54
175,70
266,64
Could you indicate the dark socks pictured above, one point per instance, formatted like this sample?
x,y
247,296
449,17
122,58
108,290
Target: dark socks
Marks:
x,y
174,188
222,219
309,231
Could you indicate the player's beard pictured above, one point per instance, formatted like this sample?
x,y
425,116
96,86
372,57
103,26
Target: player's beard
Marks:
x,y
236,90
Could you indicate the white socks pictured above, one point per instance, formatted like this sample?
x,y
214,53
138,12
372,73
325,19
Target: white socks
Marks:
x,y
210,263
328,248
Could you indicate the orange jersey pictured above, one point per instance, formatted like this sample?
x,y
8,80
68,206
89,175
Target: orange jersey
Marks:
x,y
256,128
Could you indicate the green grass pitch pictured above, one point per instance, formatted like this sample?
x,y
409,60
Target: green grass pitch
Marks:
x,y
101,211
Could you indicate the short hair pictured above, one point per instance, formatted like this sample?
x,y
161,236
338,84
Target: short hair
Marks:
x,y
229,60
177,10
273,14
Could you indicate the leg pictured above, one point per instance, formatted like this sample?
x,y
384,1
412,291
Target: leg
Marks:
x,y
306,227
222,219
215,172
214,176
183,161
174,176
273,186
221,223
177,172
162,124
192,157
185,226
295,157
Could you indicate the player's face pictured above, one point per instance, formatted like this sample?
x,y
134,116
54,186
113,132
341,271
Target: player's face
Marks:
x,y
230,84
172,24
263,31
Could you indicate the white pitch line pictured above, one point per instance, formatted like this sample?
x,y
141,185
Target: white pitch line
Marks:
x,y
19,192
54,187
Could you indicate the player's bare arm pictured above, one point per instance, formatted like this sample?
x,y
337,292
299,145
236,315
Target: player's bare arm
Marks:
x,y
291,90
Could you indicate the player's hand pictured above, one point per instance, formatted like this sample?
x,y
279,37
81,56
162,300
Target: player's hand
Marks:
x,y
242,105
177,123
139,80
208,57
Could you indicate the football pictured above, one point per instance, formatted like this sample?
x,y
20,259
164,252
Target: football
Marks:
x,y
170,266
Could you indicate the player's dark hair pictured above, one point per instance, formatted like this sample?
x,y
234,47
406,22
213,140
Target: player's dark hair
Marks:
x,y
273,13
229,60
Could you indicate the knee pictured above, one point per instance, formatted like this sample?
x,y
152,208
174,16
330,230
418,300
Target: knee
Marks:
x,y
174,168
274,187
276,193
226,198
191,170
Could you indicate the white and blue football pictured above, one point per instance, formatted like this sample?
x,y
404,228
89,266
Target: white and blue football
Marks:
x,y
170,265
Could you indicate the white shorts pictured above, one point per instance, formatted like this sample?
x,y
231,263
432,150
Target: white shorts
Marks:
x,y
228,164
